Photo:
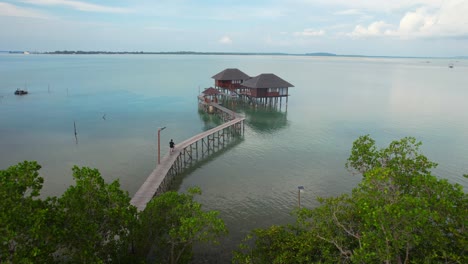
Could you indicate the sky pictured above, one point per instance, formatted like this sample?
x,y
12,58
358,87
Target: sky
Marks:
x,y
363,27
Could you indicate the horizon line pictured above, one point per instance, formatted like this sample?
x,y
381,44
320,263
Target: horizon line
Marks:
x,y
312,54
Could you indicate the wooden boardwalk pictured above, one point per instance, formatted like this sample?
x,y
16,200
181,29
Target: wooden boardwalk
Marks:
x,y
156,181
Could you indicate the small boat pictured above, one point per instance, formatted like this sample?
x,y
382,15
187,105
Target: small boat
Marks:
x,y
20,92
451,65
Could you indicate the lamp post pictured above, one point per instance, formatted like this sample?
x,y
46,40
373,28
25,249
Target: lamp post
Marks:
x,y
159,145
299,190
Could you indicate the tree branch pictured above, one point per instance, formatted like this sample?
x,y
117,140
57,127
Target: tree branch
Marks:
x,y
407,252
346,253
346,230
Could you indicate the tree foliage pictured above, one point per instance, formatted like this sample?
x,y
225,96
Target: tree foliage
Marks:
x,y
96,219
93,222
399,213
173,222
401,156
25,234
89,223
280,244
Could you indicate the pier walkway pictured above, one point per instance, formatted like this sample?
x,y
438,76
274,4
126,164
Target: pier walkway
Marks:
x,y
188,152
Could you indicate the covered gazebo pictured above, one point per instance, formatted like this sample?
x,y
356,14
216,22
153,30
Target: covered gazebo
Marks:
x,y
211,94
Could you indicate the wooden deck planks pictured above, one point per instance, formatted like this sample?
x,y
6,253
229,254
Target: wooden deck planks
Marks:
x,y
150,186
154,180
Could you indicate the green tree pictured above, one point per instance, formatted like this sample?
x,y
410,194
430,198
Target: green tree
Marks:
x,y
281,244
172,223
26,233
401,156
93,222
89,223
399,213
426,223
96,218
417,213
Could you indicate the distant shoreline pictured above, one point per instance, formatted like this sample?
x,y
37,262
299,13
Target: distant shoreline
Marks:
x,y
316,54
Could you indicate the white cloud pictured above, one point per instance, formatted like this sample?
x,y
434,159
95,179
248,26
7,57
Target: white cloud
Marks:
x,y
225,40
377,28
449,20
415,23
15,11
308,32
78,5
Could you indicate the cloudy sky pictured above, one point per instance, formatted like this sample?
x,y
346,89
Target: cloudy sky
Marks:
x,y
367,27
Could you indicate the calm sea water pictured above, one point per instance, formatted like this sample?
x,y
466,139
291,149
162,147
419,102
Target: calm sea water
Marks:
x,y
119,101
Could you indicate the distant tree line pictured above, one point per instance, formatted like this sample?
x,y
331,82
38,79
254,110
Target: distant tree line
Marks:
x,y
79,52
93,52
399,213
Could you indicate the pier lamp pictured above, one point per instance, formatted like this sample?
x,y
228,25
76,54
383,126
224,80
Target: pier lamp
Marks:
x,y
299,190
159,143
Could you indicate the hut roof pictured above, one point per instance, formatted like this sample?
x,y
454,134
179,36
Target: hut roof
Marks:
x,y
266,80
210,91
231,74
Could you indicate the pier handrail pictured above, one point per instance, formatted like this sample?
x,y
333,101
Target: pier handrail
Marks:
x,y
149,188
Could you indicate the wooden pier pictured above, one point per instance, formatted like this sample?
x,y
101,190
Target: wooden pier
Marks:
x,y
187,153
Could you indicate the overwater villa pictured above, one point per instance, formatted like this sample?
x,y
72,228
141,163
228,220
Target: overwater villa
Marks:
x,y
266,88
230,80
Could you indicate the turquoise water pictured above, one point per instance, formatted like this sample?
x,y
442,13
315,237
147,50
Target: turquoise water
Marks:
x,y
254,183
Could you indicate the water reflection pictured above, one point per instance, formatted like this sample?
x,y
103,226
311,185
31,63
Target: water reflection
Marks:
x,y
266,120
209,120
261,118
178,180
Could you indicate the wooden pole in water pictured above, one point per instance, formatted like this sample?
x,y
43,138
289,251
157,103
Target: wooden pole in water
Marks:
x,y
299,198
74,127
299,190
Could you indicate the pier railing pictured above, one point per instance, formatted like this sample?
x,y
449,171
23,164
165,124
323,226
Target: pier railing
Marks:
x,y
187,153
